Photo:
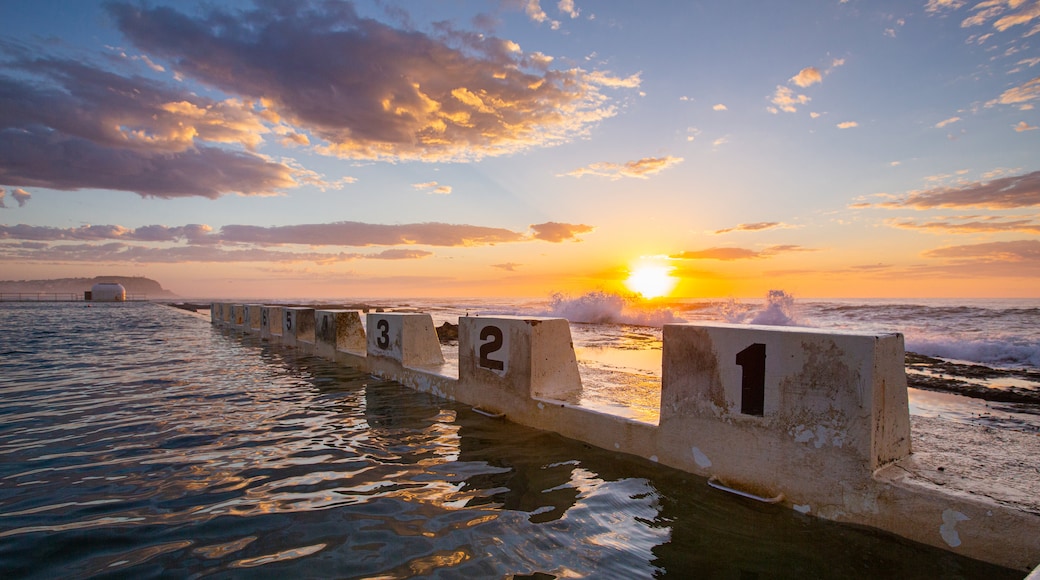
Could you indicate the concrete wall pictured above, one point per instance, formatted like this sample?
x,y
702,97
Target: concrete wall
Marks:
x,y
811,419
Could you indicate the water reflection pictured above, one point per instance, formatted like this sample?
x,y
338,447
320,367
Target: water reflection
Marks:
x,y
222,454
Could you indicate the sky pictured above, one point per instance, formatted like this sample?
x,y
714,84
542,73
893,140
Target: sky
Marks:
x,y
839,148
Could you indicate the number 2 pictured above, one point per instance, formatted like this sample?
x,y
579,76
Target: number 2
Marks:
x,y
492,346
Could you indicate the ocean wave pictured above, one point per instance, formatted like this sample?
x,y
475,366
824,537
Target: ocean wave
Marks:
x,y
609,308
991,351
777,310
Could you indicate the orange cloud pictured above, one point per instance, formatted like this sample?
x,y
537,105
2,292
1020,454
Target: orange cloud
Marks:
x,y
1020,95
559,232
786,100
753,227
433,187
808,76
729,254
639,169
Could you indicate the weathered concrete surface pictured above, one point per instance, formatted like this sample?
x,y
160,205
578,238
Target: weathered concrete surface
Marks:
x,y
1000,464
971,512
338,330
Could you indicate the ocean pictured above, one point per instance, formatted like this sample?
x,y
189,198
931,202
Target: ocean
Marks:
x,y
138,440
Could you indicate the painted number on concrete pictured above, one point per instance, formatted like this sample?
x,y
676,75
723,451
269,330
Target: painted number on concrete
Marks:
x,y
493,336
752,362
383,338
288,320
263,318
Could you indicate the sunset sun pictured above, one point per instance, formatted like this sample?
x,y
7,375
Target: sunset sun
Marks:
x,y
651,281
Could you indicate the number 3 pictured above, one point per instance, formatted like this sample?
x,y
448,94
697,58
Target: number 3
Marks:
x,y
383,339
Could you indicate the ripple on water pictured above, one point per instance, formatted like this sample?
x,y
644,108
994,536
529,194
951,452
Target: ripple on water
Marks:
x,y
140,441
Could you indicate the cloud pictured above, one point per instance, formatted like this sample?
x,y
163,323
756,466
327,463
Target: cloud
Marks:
x,y
1020,95
720,107
397,254
507,266
193,233
808,76
559,232
1004,193
360,234
786,100
753,227
243,243
970,225
1013,252
21,196
1023,126
939,5
534,11
349,234
120,253
730,254
847,125
946,122
77,127
38,160
567,7
997,11
639,169
432,187
389,93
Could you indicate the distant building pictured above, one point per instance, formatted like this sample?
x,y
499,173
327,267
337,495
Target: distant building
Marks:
x,y
106,292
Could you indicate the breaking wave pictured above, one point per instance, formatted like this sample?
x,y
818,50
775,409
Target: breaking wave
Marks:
x,y
609,308
778,310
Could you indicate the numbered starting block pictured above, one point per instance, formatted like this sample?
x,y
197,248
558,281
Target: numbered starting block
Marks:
x,y
338,331
271,323
297,326
409,338
252,317
784,410
522,357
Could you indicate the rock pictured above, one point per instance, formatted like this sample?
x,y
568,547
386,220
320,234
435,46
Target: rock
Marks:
x,y
448,332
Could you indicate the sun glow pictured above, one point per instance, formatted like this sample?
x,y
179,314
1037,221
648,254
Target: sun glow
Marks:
x,y
651,281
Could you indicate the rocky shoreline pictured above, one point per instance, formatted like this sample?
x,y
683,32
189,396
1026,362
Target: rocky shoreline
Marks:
x,y
972,380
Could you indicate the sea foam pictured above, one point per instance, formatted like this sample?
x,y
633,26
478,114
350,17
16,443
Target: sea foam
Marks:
x,y
609,308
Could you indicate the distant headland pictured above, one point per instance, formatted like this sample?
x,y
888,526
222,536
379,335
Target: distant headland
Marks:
x,y
135,285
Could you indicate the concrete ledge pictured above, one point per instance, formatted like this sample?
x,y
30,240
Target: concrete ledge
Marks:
x,y
815,420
